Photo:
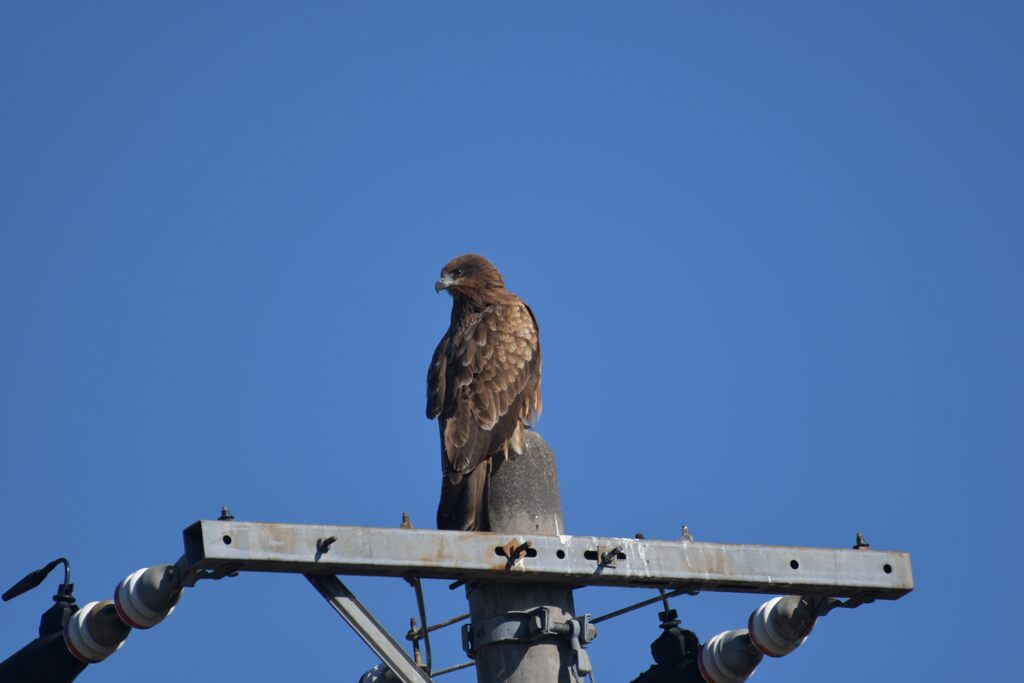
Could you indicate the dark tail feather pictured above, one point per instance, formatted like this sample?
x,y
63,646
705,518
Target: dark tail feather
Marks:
x,y
463,506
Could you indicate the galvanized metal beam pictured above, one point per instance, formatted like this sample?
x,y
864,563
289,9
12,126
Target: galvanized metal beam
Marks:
x,y
368,628
572,560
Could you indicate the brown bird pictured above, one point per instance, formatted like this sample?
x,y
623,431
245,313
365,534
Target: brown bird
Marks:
x,y
483,386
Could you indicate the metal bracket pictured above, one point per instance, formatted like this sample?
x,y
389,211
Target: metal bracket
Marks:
x,y
581,634
851,603
531,625
229,569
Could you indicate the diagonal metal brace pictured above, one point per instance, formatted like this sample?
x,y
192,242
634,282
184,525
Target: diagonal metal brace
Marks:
x,y
530,625
368,628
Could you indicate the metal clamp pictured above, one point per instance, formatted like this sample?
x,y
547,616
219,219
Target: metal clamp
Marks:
x,y
581,633
530,625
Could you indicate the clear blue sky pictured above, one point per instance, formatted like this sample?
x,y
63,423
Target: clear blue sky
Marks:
x,y
774,248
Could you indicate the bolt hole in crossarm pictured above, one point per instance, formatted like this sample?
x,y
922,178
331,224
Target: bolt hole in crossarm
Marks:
x,y
794,564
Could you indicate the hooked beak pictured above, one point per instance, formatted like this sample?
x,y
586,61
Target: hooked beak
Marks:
x,y
444,282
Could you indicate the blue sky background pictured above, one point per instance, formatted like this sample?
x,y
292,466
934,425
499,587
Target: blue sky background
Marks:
x,y
774,249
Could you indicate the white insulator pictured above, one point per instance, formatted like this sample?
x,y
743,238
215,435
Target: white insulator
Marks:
x,y
719,665
131,608
79,640
764,632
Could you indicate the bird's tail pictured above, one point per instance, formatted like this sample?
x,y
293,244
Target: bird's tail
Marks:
x,y
463,505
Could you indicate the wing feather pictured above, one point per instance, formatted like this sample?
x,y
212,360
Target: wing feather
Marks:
x,y
436,375
491,375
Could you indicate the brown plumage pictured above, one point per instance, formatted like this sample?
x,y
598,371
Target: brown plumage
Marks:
x,y
483,385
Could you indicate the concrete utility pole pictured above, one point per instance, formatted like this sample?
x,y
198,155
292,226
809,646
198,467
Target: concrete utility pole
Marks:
x,y
524,501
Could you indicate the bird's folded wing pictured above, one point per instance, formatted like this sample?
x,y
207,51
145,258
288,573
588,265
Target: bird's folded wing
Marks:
x,y
490,364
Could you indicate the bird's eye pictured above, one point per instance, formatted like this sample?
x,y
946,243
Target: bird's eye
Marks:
x,y
457,272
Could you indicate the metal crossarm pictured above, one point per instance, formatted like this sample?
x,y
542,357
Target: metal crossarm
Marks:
x,y
572,560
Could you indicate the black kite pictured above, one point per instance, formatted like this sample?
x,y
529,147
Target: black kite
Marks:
x,y
483,386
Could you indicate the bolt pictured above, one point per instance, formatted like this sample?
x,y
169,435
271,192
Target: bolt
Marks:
x,y
861,544
225,515
610,556
664,600
406,524
520,549
514,551
414,635
324,544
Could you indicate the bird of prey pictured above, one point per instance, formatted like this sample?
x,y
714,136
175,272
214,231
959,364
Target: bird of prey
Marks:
x,y
483,386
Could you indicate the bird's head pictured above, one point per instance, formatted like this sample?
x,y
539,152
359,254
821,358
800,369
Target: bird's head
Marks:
x,y
467,274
